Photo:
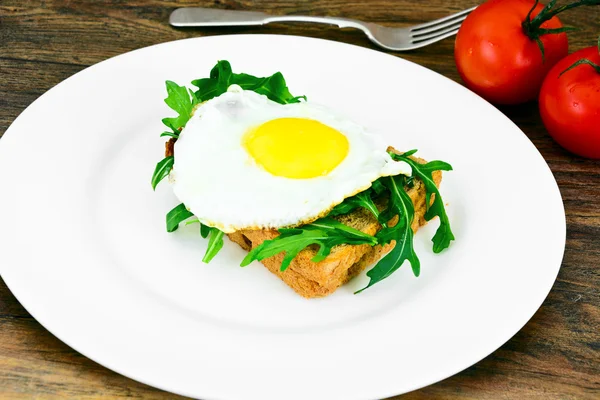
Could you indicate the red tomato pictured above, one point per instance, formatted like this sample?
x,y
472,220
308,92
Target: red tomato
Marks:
x,y
570,104
497,60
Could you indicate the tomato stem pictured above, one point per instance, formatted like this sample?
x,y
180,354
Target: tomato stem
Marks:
x,y
581,62
584,61
533,27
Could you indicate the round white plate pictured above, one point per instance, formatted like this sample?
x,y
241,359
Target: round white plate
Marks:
x,y
84,246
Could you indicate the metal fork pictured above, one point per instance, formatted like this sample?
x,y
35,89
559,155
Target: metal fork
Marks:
x,y
398,39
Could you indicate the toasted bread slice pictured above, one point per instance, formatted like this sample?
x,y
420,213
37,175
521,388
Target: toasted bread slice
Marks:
x,y
310,279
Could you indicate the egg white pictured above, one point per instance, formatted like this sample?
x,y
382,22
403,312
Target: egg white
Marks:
x,y
218,180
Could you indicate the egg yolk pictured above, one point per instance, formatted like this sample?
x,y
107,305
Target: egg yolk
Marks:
x,y
296,148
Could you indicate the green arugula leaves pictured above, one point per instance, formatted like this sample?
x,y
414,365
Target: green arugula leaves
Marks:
x,y
401,205
328,232
162,170
215,243
221,77
363,199
204,230
181,100
443,236
170,134
325,233
177,215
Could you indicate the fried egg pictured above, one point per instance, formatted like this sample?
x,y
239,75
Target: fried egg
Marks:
x,y
246,162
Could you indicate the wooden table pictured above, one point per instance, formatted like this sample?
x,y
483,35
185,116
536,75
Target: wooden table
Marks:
x,y
556,355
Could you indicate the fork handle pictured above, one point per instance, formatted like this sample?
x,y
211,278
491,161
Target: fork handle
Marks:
x,y
198,16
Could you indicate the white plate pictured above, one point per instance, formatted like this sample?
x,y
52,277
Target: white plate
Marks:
x,y
84,247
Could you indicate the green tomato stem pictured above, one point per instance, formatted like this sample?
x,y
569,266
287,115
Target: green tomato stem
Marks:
x,y
532,27
581,62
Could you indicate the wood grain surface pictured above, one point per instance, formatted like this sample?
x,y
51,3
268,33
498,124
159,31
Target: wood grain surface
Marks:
x,y
555,356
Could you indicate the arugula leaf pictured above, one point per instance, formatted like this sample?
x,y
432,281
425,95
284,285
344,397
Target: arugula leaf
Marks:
x,y
216,84
215,243
204,229
443,236
378,187
363,199
400,204
178,99
274,86
163,168
297,99
195,100
325,233
182,100
405,154
345,207
178,214
221,77
170,134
